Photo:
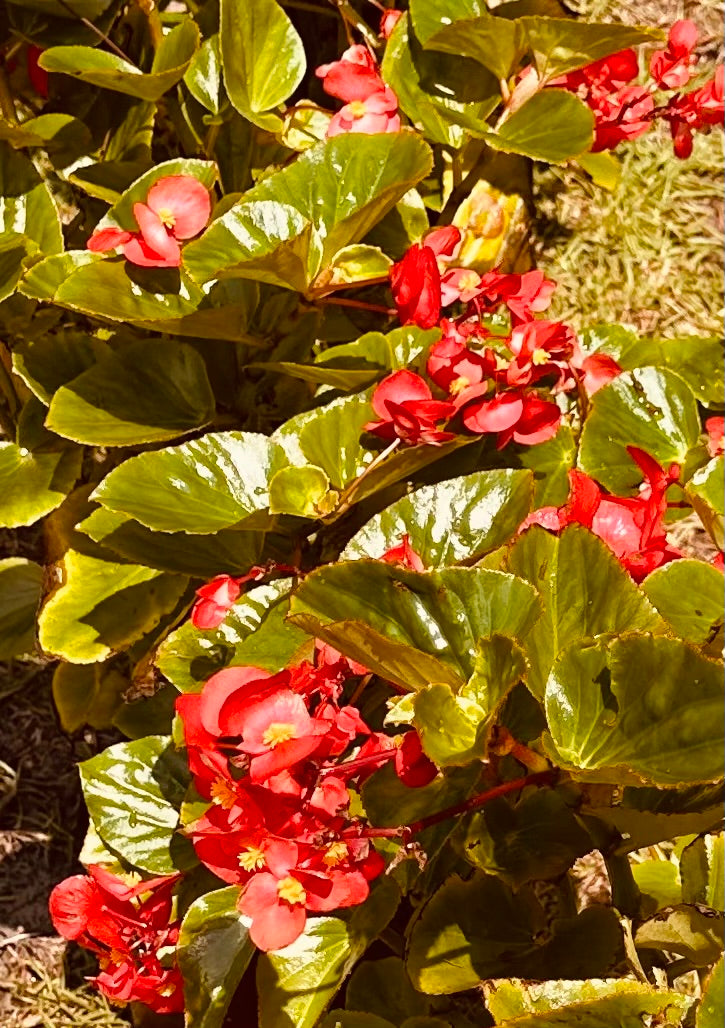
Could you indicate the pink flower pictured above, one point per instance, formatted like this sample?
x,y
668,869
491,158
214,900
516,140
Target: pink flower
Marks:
x,y
541,348
455,367
671,67
404,554
388,21
523,417
715,428
694,111
216,598
378,112
407,411
524,295
177,208
354,77
595,371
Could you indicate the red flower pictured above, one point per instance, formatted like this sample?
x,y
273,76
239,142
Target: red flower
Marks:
x,y
523,417
388,21
595,371
130,930
177,207
376,113
540,348
403,554
671,67
522,294
444,241
38,76
694,111
416,285
412,766
715,428
407,411
354,77
278,732
455,367
626,114
215,599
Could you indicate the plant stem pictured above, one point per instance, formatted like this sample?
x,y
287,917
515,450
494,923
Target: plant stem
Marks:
x,y
376,280
360,304
94,28
352,19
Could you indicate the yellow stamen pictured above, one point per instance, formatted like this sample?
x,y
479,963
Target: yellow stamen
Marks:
x,y
223,794
168,218
469,280
336,853
539,357
291,891
458,385
252,859
168,990
278,732
357,108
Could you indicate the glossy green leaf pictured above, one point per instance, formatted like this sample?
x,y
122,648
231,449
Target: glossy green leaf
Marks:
x,y
539,838
702,870
262,56
451,728
290,226
133,792
14,248
500,663
651,408
711,1011
103,606
20,591
550,463
199,487
87,694
301,491
254,633
27,206
357,263
34,484
106,70
561,45
452,521
453,947
51,361
706,492
639,705
689,596
658,880
146,392
552,126
412,628
470,31
382,987
585,592
296,984
204,75
213,951
686,931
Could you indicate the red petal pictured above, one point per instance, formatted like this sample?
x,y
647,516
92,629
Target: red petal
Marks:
x,y
495,415
154,234
241,684
187,200
139,252
539,421
275,924
398,388
71,903
108,239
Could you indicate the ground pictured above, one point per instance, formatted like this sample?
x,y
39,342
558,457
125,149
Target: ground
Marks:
x,y
648,254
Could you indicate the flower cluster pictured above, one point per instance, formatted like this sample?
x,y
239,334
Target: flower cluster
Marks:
x,y
625,111
217,597
491,382
130,929
370,105
177,208
633,527
274,754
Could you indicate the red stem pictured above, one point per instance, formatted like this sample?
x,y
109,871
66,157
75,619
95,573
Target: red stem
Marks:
x,y
360,304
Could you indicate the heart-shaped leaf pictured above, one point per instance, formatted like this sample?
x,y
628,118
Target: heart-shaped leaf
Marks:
x,y
20,591
688,595
34,484
554,126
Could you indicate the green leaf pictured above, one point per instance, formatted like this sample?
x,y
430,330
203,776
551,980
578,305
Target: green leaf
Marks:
x,y
296,984
706,492
14,248
51,361
357,263
121,213
28,206
470,31
300,491
603,168
659,880
452,947
412,628
203,77
90,9
585,592
213,951
702,870
639,705
561,45
34,484
20,592
537,839
102,606
106,70
330,197
711,1012
133,792
550,463
382,987
254,633
456,520
199,487
451,728
262,56
651,408
552,126
685,931
87,694
688,595
500,663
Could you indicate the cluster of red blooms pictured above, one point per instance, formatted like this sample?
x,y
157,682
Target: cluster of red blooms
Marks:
x,y
130,929
274,754
370,105
624,111
489,380
177,208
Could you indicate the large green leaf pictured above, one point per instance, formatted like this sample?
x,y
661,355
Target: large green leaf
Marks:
x,y
103,606
146,392
456,520
199,487
550,463
20,590
638,706
585,592
711,1011
51,361
14,248
262,56
214,951
331,196
706,492
382,987
133,792
702,870
296,984
412,628
27,206
106,70
451,728
34,484
651,408
455,945
688,931
87,694
554,126
204,75
688,594
254,633
470,30
560,45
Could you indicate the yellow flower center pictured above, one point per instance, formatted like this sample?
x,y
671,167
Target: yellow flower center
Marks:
x,y
458,385
291,891
336,853
252,859
539,357
278,732
468,281
357,108
223,794
168,218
